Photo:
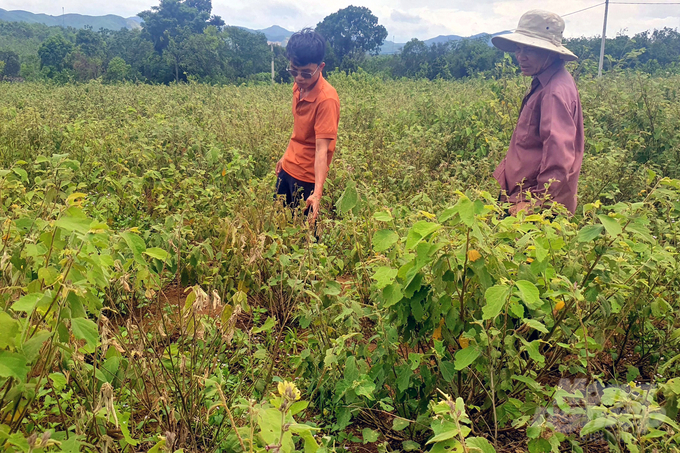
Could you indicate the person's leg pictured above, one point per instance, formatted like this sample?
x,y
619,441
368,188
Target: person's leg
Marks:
x,y
303,190
284,187
293,189
295,192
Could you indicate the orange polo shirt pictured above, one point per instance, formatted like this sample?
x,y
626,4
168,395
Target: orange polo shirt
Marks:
x,y
315,116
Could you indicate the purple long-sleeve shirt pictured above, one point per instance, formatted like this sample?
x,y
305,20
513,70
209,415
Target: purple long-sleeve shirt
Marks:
x,y
547,144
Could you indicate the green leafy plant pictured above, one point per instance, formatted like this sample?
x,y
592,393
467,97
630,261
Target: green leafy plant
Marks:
x,y
451,430
140,247
271,425
633,419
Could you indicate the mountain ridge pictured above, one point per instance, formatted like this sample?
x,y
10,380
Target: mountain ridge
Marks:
x,y
274,33
109,21
390,47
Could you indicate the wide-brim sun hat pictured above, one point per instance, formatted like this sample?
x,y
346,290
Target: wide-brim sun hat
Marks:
x,y
536,28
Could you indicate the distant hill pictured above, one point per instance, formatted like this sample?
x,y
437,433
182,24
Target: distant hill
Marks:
x,y
113,22
390,47
276,33
442,39
110,21
273,33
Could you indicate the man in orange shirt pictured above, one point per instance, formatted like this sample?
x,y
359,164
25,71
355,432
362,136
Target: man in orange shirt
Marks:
x,y
301,172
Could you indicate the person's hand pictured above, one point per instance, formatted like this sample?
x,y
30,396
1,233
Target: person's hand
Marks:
x,y
279,166
313,204
522,206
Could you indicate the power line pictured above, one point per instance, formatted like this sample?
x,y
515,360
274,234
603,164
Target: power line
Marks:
x,y
595,6
584,9
604,28
617,3
620,3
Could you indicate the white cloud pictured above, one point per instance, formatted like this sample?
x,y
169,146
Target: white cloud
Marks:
x,y
404,19
398,16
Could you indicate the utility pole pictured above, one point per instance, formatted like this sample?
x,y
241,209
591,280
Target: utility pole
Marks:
x,y
272,47
604,37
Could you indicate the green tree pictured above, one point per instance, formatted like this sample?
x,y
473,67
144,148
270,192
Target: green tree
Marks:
x,y
84,67
117,71
174,19
453,59
412,57
246,53
12,66
468,57
352,32
200,54
438,64
661,45
24,38
281,74
146,63
90,43
53,51
175,51
87,57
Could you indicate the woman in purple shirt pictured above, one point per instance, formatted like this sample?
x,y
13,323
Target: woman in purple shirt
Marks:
x,y
544,158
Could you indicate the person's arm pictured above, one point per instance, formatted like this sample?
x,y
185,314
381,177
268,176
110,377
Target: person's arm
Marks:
x,y
558,134
326,131
320,173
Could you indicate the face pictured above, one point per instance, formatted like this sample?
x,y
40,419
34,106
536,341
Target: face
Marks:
x,y
533,60
312,68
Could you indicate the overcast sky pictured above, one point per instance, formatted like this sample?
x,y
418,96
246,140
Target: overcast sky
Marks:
x,y
404,19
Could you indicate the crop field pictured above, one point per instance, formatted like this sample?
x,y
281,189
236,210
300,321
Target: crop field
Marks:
x,y
154,296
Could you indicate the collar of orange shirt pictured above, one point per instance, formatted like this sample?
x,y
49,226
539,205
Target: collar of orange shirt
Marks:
x,y
311,96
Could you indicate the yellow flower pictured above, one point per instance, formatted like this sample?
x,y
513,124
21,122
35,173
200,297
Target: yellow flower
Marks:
x,y
288,391
473,255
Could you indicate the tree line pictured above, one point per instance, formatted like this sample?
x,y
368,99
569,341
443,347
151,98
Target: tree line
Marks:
x,y
181,40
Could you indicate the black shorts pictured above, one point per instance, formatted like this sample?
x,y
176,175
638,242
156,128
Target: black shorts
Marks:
x,y
294,190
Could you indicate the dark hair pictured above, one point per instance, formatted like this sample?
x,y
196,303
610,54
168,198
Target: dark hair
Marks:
x,y
306,47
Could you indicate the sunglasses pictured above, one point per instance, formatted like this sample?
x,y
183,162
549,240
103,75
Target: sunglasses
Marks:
x,y
303,74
